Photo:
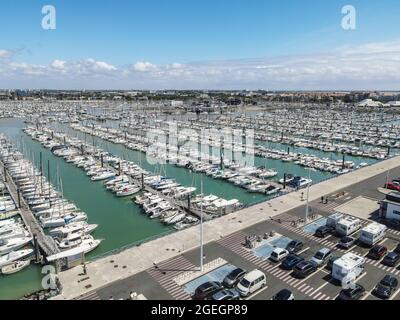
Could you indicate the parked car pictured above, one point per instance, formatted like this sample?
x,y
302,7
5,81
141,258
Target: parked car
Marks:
x,y
278,254
392,186
330,262
304,269
290,261
353,293
251,282
321,256
284,294
397,249
386,287
377,252
323,231
346,242
391,259
206,290
226,294
294,246
233,278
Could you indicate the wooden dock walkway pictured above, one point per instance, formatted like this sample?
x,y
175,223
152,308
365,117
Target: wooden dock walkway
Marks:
x,y
46,243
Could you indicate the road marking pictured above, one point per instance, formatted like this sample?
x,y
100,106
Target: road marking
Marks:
x,y
395,294
319,288
304,250
256,293
312,274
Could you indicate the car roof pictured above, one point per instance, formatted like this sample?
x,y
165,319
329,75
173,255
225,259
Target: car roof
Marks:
x,y
236,271
392,254
279,250
324,250
208,284
222,293
284,293
253,275
388,278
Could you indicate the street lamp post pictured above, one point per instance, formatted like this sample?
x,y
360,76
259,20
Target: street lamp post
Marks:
x,y
201,228
308,193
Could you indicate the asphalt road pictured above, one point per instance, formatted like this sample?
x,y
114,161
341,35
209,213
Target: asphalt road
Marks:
x,y
157,283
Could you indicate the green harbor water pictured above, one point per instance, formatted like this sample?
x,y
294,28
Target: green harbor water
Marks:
x,y
120,221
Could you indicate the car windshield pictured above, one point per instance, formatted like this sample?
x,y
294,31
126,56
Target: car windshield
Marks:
x,y
319,255
386,281
282,295
234,274
245,283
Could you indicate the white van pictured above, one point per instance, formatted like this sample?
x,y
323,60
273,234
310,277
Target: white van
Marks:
x,y
278,254
251,282
348,225
372,233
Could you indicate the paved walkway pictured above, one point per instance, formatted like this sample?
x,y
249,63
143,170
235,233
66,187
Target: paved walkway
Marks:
x,y
140,258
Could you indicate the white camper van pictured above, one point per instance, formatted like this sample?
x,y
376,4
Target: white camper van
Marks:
x,y
333,219
348,225
348,268
372,233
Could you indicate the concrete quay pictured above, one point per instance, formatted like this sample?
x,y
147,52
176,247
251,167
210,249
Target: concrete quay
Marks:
x,y
109,269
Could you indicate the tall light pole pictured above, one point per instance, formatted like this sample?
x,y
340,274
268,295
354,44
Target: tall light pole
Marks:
x,y
387,177
201,226
308,193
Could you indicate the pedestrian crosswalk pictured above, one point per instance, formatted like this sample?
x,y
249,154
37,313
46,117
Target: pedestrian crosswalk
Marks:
x,y
89,296
328,208
165,272
234,243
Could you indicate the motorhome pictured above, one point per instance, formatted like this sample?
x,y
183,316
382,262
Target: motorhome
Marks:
x,y
372,233
333,219
348,268
348,225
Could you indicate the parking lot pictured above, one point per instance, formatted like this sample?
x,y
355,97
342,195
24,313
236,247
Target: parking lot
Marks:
x,y
159,282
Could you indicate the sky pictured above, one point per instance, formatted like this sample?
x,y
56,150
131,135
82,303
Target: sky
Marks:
x,y
207,44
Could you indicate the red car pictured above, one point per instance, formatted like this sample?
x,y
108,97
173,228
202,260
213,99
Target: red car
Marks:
x,y
377,252
393,186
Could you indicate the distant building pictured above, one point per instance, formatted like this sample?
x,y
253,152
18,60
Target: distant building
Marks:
x,y
392,104
176,103
370,103
390,207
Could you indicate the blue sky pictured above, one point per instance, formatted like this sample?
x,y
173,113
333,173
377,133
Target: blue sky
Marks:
x,y
197,40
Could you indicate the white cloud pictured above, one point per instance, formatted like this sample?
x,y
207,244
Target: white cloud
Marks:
x,y
144,66
368,66
58,64
4,54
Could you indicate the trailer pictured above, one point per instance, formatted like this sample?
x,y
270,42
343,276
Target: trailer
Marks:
x,y
348,268
348,225
372,233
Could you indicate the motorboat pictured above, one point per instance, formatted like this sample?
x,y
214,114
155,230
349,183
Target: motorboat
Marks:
x,y
14,256
85,247
12,244
128,191
15,267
